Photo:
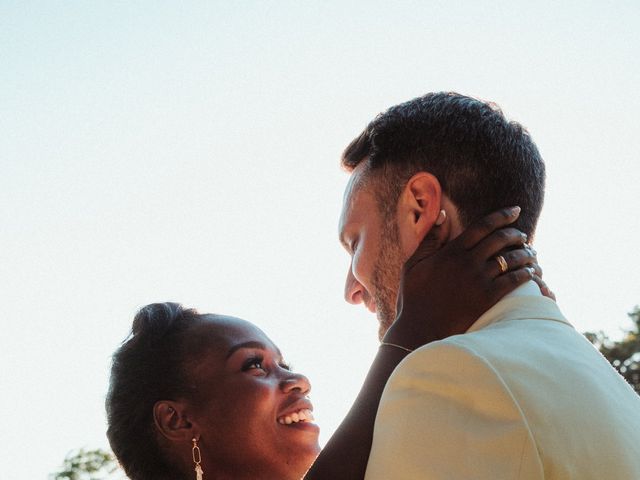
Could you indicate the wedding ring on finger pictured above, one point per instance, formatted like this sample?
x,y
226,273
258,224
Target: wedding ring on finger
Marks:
x,y
502,263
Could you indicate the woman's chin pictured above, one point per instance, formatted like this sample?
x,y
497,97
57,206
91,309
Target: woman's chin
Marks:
x,y
304,446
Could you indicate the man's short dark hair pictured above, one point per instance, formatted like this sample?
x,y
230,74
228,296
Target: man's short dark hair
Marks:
x,y
482,160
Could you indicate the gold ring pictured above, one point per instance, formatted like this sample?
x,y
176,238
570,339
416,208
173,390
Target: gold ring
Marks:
x,y
502,263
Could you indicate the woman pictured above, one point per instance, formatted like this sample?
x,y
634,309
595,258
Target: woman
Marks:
x,y
209,396
216,383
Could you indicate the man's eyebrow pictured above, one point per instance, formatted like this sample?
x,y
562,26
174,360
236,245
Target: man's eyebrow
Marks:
x,y
250,344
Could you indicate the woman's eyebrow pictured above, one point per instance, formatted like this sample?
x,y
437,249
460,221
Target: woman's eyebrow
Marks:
x,y
250,344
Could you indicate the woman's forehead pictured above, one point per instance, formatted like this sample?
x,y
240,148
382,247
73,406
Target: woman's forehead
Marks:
x,y
229,331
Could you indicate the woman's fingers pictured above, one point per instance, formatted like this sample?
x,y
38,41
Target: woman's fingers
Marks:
x,y
520,266
511,280
513,260
499,241
537,269
546,291
480,229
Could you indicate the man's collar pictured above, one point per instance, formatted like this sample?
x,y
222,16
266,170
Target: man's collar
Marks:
x,y
529,289
525,302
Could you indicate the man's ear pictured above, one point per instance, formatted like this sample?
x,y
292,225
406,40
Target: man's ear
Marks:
x,y
420,203
171,421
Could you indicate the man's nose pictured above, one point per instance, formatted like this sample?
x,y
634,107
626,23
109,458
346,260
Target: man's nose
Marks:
x,y
295,381
353,289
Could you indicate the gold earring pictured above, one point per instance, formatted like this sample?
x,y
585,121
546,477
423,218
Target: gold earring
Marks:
x,y
195,454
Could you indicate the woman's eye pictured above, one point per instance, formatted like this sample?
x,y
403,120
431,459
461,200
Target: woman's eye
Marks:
x,y
253,364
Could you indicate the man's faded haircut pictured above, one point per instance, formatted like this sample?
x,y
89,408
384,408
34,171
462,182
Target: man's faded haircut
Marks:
x,y
483,161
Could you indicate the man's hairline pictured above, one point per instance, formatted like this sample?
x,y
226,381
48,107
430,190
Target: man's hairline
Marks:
x,y
368,176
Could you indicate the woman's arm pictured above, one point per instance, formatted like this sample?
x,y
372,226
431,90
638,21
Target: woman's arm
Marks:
x,y
444,289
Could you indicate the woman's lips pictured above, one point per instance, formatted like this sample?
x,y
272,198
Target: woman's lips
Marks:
x,y
298,416
301,415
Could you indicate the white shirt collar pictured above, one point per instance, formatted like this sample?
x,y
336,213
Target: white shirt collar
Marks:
x,y
525,302
525,290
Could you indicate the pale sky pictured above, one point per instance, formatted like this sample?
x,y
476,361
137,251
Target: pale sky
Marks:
x,y
188,151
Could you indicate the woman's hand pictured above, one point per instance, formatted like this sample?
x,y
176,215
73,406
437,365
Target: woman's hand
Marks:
x,y
445,288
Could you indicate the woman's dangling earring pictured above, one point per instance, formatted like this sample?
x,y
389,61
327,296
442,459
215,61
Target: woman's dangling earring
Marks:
x,y
195,453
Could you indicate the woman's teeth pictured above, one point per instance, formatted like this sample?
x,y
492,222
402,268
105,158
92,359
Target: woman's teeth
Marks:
x,y
303,415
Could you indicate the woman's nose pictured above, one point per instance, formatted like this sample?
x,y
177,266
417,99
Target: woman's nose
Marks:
x,y
295,381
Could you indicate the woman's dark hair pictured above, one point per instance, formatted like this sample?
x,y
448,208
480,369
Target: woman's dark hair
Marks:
x,y
148,367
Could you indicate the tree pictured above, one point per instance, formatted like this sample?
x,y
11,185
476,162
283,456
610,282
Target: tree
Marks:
x,y
87,465
624,355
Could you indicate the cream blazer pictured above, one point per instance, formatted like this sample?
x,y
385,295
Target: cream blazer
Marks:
x,y
520,395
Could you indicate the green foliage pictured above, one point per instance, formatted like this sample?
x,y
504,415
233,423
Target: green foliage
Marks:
x,y
87,465
624,355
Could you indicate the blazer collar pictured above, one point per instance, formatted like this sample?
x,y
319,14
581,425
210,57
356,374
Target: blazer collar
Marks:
x,y
525,302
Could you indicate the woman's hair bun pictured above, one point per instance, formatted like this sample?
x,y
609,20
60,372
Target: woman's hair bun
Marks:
x,y
148,367
156,319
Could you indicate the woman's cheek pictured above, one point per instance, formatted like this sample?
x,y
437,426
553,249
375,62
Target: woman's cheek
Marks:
x,y
262,394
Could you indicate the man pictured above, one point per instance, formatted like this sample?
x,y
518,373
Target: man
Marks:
x,y
519,395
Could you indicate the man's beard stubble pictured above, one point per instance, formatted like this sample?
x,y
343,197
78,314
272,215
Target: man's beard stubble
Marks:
x,y
386,276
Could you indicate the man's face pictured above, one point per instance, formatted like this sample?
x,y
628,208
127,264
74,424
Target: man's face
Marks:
x,y
373,243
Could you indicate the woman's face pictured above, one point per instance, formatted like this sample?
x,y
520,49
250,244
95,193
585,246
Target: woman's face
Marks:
x,y
252,412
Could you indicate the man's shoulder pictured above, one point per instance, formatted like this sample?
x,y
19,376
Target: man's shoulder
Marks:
x,y
520,344
504,335
451,357
514,323
529,357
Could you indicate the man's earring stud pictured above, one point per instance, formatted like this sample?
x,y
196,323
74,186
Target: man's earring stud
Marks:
x,y
442,216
